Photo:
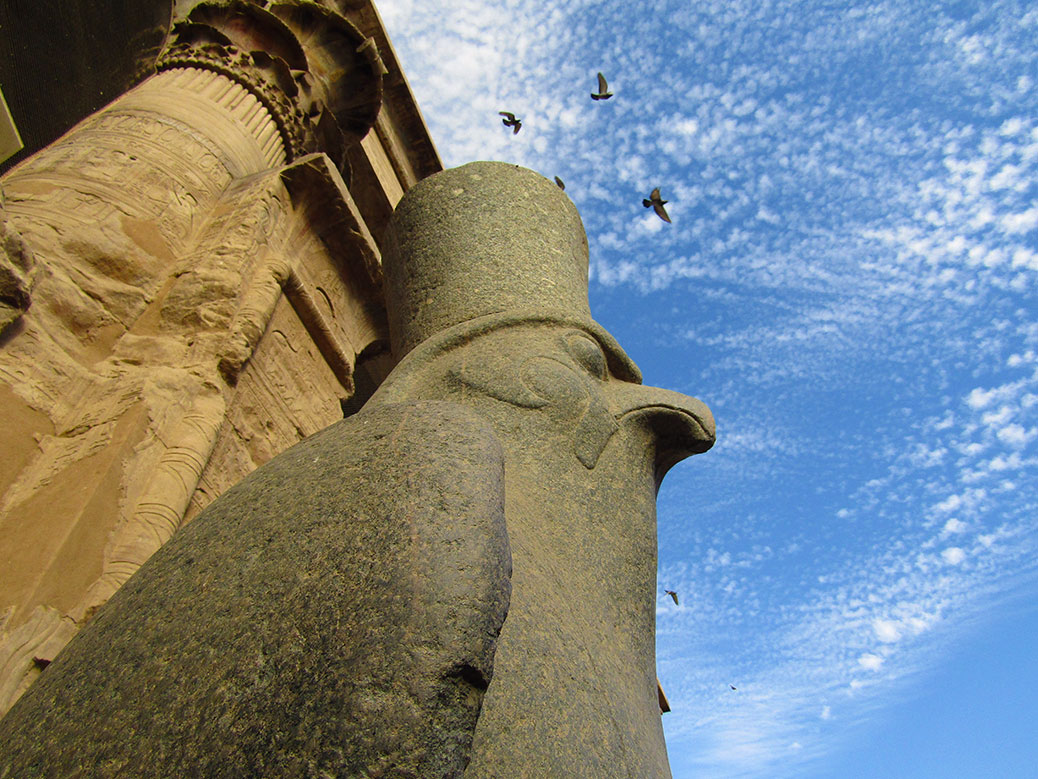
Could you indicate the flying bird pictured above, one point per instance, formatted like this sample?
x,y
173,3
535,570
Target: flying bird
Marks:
x,y
603,89
673,595
560,182
657,202
510,120
732,686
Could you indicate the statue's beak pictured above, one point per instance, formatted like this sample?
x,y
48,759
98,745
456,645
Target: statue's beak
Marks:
x,y
682,425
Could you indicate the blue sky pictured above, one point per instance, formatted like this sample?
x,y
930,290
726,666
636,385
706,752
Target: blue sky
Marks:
x,y
850,283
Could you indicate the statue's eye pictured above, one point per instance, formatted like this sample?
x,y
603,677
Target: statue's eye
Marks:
x,y
587,353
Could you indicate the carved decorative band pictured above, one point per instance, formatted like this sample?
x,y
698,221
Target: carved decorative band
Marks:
x,y
240,67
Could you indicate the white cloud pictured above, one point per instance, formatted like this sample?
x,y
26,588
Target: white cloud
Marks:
x,y
995,418
953,555
871,662
980,398
687,127
1015,435
1022,222
951,503
886,630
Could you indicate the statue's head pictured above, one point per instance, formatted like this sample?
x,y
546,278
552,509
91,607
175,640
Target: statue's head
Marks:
x,y
486,271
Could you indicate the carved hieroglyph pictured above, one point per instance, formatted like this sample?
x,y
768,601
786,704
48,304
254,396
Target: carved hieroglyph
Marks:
x,y
458,580
185,285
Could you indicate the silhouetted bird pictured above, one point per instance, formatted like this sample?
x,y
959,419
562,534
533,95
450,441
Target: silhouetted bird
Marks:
x,y
657,202
603,89
510,120
673,595
732,686
559,181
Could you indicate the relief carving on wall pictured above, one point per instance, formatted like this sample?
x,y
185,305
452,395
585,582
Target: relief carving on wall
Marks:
x,y
154,242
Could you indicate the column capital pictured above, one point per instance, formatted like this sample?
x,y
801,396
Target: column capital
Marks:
x,y
317,74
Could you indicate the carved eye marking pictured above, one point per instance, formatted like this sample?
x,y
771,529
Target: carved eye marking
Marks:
x,y
588,354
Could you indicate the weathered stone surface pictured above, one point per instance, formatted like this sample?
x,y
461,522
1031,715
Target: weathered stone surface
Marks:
x,y
197,304
470,255
31,648
338,610
16,266
336,613
318,76
131,386
574,689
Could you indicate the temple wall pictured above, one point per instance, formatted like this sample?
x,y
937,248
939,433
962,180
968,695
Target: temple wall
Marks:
x,y
185,291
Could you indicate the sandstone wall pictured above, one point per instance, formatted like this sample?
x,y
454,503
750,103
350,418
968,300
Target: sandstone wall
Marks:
x,y
183,295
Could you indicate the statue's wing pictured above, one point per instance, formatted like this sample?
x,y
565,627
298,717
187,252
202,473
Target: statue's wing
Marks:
x,y
336,613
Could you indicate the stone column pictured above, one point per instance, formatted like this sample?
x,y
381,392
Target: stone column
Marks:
x,y
142,256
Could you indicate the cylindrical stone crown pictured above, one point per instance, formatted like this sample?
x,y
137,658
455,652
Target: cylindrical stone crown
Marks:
x,y
481,239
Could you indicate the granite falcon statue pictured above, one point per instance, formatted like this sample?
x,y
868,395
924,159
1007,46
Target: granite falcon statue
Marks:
x,y
490,311
394,595
334,614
